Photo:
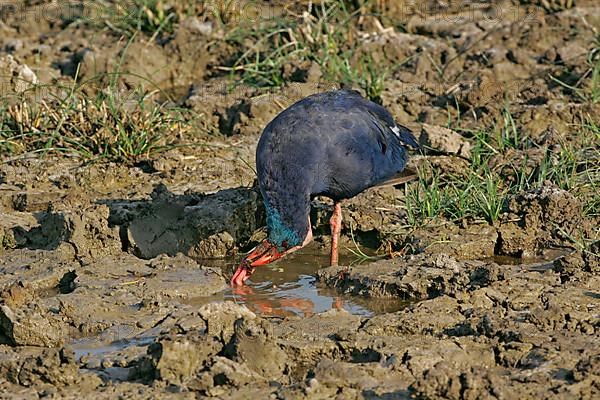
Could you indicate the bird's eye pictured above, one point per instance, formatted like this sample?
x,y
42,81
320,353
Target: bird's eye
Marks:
x,y
284,244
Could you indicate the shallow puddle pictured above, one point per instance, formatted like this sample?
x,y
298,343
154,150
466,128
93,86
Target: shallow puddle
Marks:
x,y
288,288
95,347
542,262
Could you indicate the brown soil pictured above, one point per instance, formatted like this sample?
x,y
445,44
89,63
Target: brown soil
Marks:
x,y
102,264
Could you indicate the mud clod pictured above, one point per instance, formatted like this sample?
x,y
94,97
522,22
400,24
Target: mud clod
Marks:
x,y
86,231
545,217
253,343
444,381
474,242
444,140
220,318
29,326
19,77
178,359
199,226
421,278
54,367
217,245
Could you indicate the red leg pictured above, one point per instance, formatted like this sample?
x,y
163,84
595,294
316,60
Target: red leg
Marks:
x,y
336,229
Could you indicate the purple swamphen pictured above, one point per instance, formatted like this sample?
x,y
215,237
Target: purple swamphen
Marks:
x,y
335,144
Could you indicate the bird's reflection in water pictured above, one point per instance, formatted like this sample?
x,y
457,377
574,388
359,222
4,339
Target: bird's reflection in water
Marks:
x,y
279,306
288,288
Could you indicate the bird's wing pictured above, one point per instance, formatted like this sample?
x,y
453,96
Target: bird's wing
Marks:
x,y
386,123
381,132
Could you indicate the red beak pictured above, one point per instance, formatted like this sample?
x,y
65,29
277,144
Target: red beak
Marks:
x,y
262,254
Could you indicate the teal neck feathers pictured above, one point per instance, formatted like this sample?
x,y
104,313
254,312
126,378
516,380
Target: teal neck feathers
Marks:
x,y
279,233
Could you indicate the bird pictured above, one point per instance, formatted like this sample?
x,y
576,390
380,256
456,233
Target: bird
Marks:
x,y
335,144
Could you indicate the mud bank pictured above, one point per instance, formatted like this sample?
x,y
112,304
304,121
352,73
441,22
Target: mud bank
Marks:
x,y
484,331
122,325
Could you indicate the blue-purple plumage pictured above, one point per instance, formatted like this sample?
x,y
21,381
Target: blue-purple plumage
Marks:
x,y
335,144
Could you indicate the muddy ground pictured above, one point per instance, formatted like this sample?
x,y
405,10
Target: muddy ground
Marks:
x,y
113,275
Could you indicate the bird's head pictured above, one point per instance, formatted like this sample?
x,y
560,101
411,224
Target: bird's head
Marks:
x,y
280,241
285,236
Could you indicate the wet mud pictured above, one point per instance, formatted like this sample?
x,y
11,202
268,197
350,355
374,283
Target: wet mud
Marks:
x,y
114,277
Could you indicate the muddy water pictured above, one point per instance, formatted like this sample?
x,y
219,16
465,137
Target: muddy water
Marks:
x,y
289,287
285,289
542,262
96,347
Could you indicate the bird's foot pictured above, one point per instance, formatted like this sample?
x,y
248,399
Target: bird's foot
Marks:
x,y
242,274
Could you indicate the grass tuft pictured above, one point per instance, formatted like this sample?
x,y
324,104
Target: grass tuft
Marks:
x,y
154,18
104,126
325,35
480,191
